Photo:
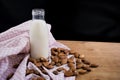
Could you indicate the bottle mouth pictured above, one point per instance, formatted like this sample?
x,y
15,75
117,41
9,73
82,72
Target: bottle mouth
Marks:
x,y
38,13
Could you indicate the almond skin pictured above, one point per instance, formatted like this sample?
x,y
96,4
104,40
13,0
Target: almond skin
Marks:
x,y
93,65
55,72
68,73
82,71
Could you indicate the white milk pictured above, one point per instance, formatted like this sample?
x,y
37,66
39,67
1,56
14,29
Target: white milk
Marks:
x,y
38,36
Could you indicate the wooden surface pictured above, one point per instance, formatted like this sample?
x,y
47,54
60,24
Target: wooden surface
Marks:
x,y
107,55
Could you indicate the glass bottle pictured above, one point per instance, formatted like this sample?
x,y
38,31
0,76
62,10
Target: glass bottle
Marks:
x,y
38,35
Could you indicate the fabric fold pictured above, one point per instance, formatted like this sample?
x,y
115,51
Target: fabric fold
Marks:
x,y
14,46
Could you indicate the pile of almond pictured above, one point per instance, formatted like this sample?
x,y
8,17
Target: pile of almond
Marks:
x,y
77,63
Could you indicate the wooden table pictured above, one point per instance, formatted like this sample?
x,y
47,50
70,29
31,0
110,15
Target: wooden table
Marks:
x,y
107,55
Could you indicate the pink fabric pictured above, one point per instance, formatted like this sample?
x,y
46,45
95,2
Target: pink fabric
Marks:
x,y
14,46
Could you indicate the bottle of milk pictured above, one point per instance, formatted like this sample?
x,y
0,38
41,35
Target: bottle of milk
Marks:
x,y
38,35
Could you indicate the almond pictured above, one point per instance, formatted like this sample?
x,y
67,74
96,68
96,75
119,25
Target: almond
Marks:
x,y
58,64
31,71
76,55
85,61
54,53
82,71
52,63
38,64
93,65
64,70
53,49
71,64
86,68
34,78
64,61
43,71
81,56
36,72
49,66
72,52
27,71
32,60
72,68
68,73
55,72
78,60
45,64
58,50
71,60
75,73
66,52
55,59
61,55
37,60
60,69
78,66
43,59
40,78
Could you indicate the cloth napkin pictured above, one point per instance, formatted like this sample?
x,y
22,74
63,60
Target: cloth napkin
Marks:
x,y
14,47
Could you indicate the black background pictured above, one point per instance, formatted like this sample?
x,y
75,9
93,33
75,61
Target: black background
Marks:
x,y
83,20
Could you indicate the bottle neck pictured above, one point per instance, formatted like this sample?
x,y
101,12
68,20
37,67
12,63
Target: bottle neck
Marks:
x,y
37,17
38,14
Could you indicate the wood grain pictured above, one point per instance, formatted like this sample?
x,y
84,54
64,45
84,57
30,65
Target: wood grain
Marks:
x,y
107,55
